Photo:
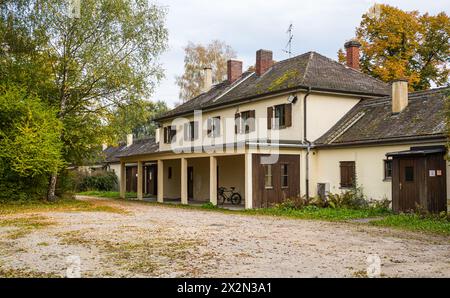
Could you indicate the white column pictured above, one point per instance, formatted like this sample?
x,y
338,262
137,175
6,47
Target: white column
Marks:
x,y
123,182
160,181
184,180
139,180
213,180
248,181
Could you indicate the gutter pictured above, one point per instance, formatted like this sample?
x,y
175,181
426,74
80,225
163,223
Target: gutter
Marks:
x,y
308,143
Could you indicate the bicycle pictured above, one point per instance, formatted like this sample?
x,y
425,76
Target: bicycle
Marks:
x,y
229,195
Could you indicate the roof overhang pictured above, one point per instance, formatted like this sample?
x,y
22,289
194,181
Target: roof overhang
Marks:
x,y
418,151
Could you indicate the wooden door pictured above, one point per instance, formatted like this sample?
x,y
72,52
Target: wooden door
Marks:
x,y
131,179
190,184
436,183
152,179
409,184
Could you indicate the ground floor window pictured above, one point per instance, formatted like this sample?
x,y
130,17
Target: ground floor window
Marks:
x,y
348,176
387,169
284,175
268,183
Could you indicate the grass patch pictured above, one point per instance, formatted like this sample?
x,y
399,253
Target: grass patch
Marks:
x,y
107,194
23,273
62,205
24,225
415,223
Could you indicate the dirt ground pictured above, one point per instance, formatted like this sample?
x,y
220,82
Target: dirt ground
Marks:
x,y
159,241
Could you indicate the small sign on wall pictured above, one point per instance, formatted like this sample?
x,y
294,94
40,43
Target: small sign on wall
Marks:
x,y
432,173
438,172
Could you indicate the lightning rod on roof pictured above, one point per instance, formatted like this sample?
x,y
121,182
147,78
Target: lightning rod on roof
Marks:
x,y
288,47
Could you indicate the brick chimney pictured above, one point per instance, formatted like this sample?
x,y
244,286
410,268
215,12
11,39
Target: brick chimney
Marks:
x,y
264,61
207,79
129,139
234,70
352,48
399,95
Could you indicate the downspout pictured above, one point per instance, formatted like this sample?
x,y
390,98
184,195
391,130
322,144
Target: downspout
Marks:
x,y
308,143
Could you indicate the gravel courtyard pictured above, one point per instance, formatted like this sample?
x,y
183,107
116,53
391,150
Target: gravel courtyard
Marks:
x,y
157,241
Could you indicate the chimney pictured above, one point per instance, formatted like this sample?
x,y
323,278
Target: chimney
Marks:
x,y
129,139
352,48
399,95
234,70
263,61
104,146
207,79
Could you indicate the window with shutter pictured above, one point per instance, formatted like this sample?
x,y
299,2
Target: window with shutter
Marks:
x,y
348,176
269,117
165,135
288,115
237,123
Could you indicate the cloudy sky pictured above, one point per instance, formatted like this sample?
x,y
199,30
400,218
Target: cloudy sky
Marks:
x,y
248,25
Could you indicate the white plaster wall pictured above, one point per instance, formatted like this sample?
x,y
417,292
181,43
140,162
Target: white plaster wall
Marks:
x,y
116,169
172,187
369,169
324,110
232,173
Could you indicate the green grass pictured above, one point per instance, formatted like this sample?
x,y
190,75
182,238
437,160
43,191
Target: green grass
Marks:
x,y
107,194
413,222
62,205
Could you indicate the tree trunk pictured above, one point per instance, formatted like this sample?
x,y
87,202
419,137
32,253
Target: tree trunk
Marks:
x,y
51,188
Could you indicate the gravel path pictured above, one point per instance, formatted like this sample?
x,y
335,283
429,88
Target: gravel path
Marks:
x,y
161,241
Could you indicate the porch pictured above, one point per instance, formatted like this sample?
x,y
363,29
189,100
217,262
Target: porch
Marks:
x,y
190,179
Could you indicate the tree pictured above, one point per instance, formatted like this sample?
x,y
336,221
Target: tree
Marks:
x,y
136,118
30,144
104,59
400,44
197,57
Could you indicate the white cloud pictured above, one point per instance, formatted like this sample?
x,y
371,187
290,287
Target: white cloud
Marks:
x,y
249,25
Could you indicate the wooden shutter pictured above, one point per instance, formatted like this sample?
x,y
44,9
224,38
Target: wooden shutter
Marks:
x,y
269,117
347,173
288,115
186,129
165,135
195,128
209,127
251,121
173,134
237,123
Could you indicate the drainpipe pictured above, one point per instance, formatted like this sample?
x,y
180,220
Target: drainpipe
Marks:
x,y
308,143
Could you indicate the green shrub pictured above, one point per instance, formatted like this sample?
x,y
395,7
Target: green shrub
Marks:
x,y
352,199
209,205
101,181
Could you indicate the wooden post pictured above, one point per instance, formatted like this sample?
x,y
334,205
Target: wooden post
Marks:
x,y
160,181
139,180
184,180
213,180
248,181
123,182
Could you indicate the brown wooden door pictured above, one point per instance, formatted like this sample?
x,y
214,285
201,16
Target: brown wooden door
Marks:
x,y
131,182
152,179
409,185
436,183
190,184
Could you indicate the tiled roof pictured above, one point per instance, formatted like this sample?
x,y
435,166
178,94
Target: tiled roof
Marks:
x,y
373,120
111,152
142,146
307,70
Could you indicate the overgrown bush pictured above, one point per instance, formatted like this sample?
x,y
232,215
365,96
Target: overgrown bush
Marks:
x,y
101,181
351,199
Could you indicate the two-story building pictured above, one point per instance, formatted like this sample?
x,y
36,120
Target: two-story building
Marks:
x,y
301,126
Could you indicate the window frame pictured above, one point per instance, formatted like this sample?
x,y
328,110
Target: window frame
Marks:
x,y
385,169
347,165
170,133
280,122
284,173
213,130
268,172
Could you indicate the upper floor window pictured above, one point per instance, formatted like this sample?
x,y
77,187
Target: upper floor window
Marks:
x,y
348,175
170,133
387,169
279,116
213,127
244,122
191,131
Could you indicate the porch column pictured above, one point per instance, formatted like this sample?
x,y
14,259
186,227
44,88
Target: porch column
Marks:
x,y
248,181
139,180
213,180
123,182
184,180
160,181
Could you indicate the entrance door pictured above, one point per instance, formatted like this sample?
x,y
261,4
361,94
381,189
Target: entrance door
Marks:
x,y
152,179
190,183
409,185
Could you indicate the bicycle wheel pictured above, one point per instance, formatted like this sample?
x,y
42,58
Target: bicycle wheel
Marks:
x,y
221,199
236,199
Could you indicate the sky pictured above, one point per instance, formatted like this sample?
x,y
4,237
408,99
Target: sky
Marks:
x,y
249,25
